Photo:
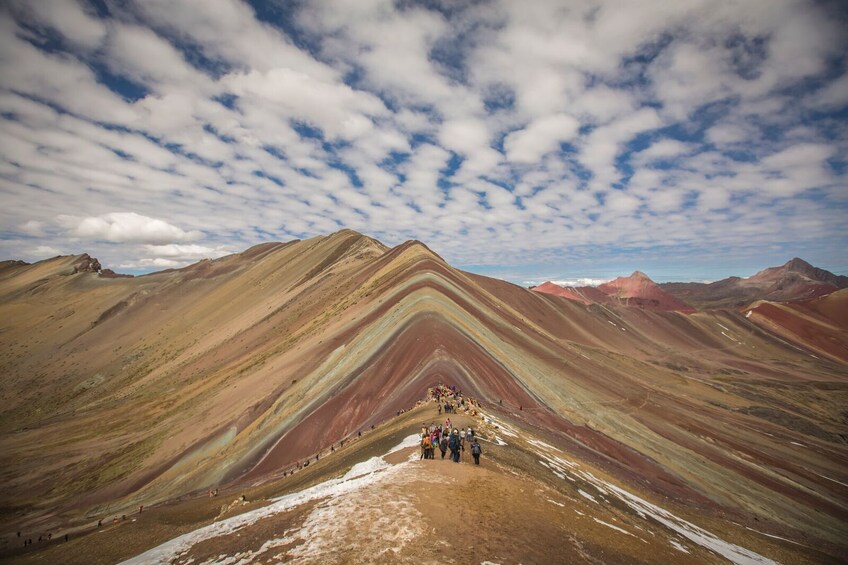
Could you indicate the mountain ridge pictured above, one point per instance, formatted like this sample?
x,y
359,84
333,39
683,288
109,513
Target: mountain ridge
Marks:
x,y
274,354
792,281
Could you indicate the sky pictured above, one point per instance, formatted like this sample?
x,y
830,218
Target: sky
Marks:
x,y
529,141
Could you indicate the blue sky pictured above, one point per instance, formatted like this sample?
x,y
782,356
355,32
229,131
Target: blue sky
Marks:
x,y
525,140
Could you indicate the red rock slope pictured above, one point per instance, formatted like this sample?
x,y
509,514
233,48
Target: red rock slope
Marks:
x,y
636,290
821,324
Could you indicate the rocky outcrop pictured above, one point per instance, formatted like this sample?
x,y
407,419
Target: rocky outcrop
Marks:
x,y
87,264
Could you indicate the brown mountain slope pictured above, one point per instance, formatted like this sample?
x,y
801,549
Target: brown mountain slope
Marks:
x,y
122,392
796,280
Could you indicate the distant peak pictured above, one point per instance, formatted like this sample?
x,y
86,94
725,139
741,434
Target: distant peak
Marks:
x,y
797,264
347,232
640,275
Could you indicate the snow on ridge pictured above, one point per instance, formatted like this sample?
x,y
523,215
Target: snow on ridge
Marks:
x,y
503,428
645,509
361,475
616,528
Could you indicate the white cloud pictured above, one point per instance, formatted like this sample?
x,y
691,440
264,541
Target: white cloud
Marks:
x,y
413,105
334,107
580,282
156,263
126,227
68,18
44,252
603,144
540,137
186,251
832,96
140,54
34,228
664,149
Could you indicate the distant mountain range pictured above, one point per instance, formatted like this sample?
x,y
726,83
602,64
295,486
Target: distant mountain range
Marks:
x,y
636,290
794,281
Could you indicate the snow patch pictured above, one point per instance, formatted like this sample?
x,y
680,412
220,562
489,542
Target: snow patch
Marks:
x,y
408,441
647,510
504,429
360,476
540,443
829,479
616,528
585,494
366,467
773,536
678,546
557,503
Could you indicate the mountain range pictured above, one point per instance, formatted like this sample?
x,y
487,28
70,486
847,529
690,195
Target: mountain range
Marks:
x,y
121,392
796,280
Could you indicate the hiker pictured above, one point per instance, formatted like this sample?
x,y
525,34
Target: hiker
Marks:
x,y
440,409
443,446
455,444
476,450
469,435
425,446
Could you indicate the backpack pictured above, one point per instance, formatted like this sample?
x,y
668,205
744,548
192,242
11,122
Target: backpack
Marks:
x,y
425,443
475,449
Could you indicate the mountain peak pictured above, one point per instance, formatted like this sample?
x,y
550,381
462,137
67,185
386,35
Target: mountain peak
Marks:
x,y
799,265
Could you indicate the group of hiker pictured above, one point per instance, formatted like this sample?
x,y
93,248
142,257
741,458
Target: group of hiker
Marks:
x,y
451,400
444,439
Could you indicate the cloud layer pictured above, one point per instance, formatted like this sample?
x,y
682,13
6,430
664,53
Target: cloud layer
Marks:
x,y
518,135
